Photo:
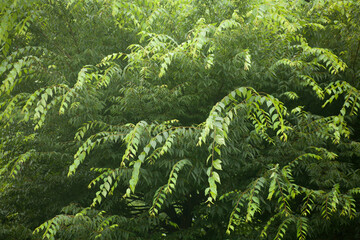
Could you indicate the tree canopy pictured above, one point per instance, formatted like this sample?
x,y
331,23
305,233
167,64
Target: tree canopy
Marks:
x,y
179,119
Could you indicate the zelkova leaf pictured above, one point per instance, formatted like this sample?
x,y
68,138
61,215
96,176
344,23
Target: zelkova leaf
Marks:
x,y
217,164
216,177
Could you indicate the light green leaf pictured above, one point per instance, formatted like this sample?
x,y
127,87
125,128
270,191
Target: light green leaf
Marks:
x,y
217,164
216,176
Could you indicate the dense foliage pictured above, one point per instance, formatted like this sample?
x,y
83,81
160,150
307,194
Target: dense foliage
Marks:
x,y
181,119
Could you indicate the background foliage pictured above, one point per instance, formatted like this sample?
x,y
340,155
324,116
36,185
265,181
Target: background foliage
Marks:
x,y
179,119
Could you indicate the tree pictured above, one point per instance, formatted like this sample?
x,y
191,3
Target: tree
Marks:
x,y
167,118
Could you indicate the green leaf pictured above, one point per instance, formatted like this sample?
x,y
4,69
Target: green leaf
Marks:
x,y
107,186
219,140
153,143
82,156
216,176
146,150
142,157
217,164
